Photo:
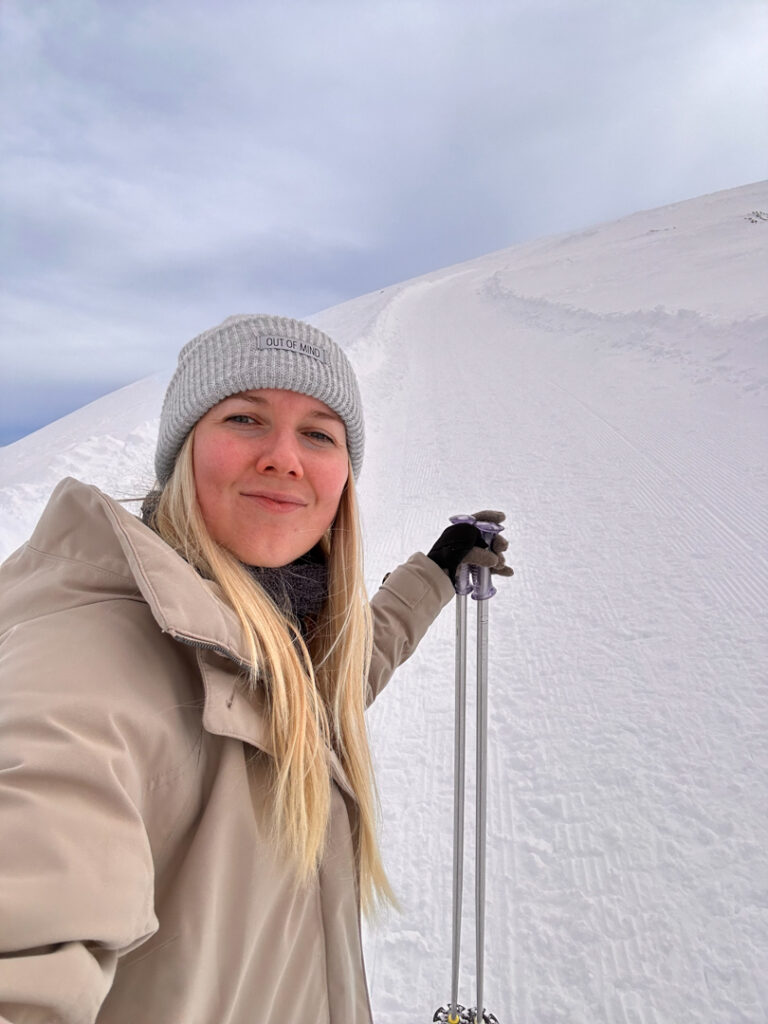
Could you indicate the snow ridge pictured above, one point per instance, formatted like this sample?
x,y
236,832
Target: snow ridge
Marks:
x,y
609,391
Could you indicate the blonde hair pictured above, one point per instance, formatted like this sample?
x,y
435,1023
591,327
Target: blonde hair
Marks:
x,y
316,694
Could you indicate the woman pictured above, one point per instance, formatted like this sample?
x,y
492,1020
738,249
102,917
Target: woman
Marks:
x,y
186,794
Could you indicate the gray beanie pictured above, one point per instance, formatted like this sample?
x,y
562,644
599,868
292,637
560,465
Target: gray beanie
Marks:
x,y
254,351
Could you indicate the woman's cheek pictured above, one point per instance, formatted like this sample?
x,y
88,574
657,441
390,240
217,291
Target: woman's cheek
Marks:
x,y
222,458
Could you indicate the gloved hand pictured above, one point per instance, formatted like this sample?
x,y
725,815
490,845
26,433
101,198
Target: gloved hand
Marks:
x,y
463,543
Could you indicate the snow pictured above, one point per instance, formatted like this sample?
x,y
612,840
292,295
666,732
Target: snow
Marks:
x,y
608,390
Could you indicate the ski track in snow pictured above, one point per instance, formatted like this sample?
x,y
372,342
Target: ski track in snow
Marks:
x,y
627,865
627,872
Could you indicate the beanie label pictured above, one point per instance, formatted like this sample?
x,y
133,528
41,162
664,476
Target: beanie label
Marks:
x,y
302,348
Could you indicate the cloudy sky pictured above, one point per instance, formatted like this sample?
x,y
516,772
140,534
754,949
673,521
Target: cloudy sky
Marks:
x,y
168,163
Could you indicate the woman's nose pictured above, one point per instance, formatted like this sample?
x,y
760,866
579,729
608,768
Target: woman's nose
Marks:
x,y
279,453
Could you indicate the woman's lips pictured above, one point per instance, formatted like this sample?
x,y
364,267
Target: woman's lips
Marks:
x,y
276,502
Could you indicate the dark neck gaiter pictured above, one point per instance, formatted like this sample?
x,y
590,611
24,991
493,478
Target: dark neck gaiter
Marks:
x,y
300,588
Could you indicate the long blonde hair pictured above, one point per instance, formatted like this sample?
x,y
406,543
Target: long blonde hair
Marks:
x,y
316,694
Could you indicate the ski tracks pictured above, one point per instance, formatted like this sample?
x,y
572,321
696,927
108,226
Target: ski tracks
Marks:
x,y
626,819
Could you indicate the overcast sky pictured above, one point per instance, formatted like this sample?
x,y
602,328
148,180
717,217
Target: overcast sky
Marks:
x,y
168,163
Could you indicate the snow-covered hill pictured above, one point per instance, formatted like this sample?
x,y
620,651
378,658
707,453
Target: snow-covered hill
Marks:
x,y
609,390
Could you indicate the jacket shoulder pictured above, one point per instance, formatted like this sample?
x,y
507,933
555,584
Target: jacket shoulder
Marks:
x,y
72,557
79,643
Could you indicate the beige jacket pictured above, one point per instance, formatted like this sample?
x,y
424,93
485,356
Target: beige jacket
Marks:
x,y
138,882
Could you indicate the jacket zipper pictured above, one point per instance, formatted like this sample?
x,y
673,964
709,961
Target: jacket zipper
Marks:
x,y
205,646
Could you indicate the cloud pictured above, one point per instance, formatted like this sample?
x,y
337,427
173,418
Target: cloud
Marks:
x,y
168,164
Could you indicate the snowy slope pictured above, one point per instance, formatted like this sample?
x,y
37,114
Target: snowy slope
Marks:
x,y
609,390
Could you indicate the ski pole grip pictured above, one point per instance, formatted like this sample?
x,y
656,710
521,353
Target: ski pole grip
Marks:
x,y
482,588
463,584
474,579
488,530
463,519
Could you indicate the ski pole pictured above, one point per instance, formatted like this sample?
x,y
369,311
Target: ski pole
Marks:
x,y
482,592
454,1012
463,587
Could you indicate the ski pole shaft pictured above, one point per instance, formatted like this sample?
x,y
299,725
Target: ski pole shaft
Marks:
x,y
458,787
463,588
484,581
482,591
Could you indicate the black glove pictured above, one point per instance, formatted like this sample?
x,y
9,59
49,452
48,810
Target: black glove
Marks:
x,y
464,543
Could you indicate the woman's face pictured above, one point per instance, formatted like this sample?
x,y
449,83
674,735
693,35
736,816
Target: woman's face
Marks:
x,y
270,467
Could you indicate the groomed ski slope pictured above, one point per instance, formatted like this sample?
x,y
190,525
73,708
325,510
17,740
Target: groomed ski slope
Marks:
x,y
608,390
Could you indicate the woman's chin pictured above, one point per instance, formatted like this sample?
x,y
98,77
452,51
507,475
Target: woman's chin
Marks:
x,y
270,556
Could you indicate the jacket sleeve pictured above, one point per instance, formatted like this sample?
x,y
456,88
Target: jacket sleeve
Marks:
x,y
76,869
403,608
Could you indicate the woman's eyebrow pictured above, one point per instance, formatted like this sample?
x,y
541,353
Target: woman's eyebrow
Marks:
x,y
256,399
321,414
315,413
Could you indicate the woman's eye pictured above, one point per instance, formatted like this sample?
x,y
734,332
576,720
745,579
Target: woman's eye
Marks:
x,y
319,435
240,418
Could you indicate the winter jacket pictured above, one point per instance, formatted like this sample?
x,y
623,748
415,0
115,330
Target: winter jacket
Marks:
x,y
139,881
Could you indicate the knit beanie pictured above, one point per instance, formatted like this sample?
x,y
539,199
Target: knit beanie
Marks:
x,y
253,351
